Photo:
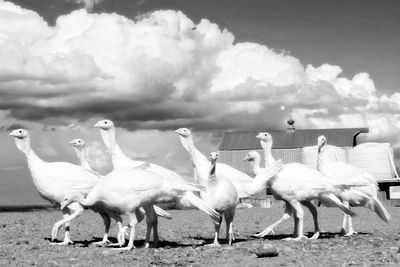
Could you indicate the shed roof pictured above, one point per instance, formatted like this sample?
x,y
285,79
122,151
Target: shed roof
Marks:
x,y
342,137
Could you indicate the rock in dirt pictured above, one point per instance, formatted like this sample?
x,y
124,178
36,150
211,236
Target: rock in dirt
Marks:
x,y
267,250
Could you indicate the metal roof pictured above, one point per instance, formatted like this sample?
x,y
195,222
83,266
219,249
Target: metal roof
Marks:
x,y
342,137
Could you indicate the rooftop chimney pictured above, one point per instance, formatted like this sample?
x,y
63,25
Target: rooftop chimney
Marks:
x,y
290,123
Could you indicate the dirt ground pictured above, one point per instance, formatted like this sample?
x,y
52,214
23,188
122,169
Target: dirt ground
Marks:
x,y
24,241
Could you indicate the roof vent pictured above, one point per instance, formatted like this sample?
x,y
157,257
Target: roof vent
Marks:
x,y
290,123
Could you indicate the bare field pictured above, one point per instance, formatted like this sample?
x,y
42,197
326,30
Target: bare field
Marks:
x,y
24,241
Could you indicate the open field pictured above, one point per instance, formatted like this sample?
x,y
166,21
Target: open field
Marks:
x,y
24,240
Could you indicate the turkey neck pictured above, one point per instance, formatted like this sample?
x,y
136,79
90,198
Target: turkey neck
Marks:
x,y
212,176
188,144
255,164
25,146
320,157
199,161
81,153
267,147
116,153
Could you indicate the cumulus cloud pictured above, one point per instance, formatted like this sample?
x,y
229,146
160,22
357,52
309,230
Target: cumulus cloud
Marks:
x,y
163,71
88,4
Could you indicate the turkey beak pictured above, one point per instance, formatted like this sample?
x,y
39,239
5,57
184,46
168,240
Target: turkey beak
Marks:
x,y
97,125
177,131
71,143
258,136
12,133
247,158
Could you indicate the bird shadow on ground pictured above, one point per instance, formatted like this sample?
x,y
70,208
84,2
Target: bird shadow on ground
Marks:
x,y
222,241
322,235
204,241
137,243
275,237
330,235
85,243
174,244
82,243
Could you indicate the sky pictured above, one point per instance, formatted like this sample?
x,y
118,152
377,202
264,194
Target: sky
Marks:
x,y
212,66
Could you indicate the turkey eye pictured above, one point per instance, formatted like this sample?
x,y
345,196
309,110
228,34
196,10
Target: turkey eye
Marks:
x,y
105,122
20,131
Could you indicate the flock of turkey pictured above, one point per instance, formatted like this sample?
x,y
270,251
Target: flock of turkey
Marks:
x,y
134,187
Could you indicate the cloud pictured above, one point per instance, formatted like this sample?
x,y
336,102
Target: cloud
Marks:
x,y
162,71
88,4
12,168
249,61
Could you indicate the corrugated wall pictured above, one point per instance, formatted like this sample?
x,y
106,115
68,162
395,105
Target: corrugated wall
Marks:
x,y
235,158
288,155
375,160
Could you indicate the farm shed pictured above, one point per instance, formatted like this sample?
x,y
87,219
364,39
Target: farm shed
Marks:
x,y
294,145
